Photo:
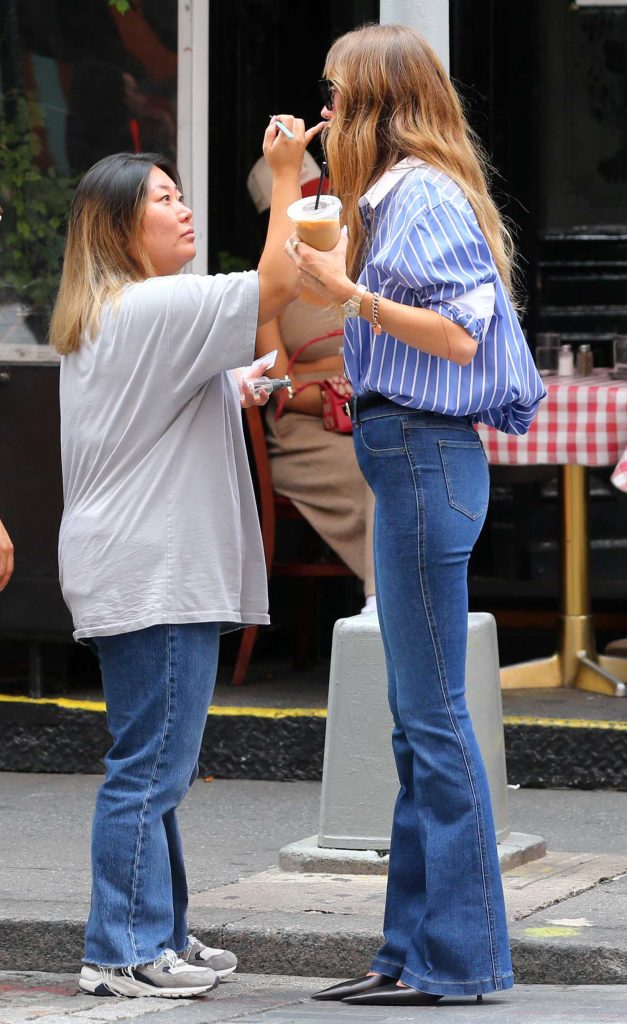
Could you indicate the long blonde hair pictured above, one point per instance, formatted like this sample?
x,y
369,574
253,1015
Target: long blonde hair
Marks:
x,y
103,250
397,101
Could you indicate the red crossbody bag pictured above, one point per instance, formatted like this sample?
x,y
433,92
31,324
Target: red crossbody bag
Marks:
x,y
335,392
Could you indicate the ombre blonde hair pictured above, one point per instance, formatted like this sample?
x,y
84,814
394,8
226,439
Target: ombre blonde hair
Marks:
x,y
103,250
396,100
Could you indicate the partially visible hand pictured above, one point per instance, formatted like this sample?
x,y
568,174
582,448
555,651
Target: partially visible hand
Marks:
x,y
322,272
247,396
6,557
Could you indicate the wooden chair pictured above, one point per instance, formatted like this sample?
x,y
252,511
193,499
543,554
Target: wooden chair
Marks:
x,y
272,509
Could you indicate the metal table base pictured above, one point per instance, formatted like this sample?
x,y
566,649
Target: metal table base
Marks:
x,y
576,662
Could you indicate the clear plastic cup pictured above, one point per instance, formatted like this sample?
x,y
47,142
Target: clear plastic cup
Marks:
x,y
319,228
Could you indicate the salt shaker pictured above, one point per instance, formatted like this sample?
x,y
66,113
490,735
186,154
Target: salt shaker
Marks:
x,y
585,361
566,362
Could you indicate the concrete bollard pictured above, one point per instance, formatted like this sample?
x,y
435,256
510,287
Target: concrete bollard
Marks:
x,y
359,782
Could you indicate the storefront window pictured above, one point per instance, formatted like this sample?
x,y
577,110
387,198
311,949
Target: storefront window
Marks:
x,y
79,79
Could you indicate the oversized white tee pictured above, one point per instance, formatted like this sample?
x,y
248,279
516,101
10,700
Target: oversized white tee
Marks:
x,y
160,523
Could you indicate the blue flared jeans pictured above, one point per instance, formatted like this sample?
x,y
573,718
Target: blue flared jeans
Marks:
x,y
445,927
158,684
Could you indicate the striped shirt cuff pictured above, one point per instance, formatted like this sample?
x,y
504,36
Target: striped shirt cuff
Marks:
x,y
511,418
476,328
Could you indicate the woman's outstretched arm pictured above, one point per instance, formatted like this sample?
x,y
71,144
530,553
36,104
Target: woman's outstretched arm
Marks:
x,y
278,277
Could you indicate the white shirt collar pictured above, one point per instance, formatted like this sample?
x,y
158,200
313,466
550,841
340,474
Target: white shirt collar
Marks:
x,y
388,180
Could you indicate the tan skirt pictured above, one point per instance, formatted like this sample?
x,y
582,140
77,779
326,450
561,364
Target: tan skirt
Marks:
x,y
317,470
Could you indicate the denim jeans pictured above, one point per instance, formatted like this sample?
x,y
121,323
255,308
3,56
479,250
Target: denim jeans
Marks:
x,y
445,928
157,684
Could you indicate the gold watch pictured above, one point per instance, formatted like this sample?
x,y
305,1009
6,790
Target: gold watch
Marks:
x,y
352,306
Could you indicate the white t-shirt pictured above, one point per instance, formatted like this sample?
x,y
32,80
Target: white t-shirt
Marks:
x,y
160,523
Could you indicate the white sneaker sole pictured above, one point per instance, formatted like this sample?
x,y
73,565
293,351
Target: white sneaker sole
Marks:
x,y
227,970
133,988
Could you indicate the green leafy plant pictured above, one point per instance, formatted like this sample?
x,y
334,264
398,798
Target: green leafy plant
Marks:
x,y
120,5
35,204
228,263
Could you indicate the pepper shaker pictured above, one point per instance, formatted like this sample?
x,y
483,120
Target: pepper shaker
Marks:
x,y
585,361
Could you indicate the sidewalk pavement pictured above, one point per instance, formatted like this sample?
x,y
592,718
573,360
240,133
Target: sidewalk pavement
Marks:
x,y
272,999
568,911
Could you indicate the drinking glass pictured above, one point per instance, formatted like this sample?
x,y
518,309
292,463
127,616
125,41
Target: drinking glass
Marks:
x,y
548,339
546,359
620,355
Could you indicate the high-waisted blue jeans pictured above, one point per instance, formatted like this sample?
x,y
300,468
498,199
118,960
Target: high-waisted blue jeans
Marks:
x,y
445,927
157,684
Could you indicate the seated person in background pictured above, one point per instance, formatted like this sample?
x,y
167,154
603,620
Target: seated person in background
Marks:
x,y
313,467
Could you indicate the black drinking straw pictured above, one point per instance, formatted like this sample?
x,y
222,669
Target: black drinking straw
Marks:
x,y
322,174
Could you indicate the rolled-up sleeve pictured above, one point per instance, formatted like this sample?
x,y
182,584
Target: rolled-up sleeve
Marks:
x,y
446,260
213,323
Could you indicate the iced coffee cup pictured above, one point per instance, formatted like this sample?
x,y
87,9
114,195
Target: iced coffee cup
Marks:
x,y
319,228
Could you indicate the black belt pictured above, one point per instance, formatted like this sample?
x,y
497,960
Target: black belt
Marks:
x,y
374,400
368,400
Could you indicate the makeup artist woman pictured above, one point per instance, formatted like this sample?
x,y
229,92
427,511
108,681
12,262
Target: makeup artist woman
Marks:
x,y
160,543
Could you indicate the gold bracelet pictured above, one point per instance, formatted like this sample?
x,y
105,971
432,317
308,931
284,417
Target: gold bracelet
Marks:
x,y
376,326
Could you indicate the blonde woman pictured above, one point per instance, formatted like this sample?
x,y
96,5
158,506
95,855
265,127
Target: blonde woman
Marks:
x,y
160,545
432,344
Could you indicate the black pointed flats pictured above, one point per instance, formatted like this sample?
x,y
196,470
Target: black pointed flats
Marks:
x,y
354,987
393,995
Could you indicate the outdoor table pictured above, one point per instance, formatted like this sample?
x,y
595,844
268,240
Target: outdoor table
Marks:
x,y
582,422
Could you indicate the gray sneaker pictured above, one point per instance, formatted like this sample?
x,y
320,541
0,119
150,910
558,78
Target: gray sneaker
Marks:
x,y
221,961
168,976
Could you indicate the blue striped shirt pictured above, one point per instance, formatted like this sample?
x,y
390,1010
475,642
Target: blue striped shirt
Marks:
x,y
427,249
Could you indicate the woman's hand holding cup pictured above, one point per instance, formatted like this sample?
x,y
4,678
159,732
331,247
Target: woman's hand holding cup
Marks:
x,y
322,272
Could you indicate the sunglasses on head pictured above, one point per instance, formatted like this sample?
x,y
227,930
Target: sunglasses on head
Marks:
x,y
327,92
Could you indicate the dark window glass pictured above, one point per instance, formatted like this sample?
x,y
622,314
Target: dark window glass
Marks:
x,y
79,80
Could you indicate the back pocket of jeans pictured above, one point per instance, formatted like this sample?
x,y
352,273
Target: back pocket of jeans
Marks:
x,y
467,476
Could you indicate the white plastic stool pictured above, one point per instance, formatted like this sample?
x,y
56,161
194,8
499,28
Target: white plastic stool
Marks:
x,y
359,781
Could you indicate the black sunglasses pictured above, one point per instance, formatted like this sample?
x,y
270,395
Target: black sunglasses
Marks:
x,y
327,92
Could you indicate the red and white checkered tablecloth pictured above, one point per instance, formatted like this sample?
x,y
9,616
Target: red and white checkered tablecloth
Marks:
x,y
582,420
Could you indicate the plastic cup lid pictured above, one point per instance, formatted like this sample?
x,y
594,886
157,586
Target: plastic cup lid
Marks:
x,y
305,209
